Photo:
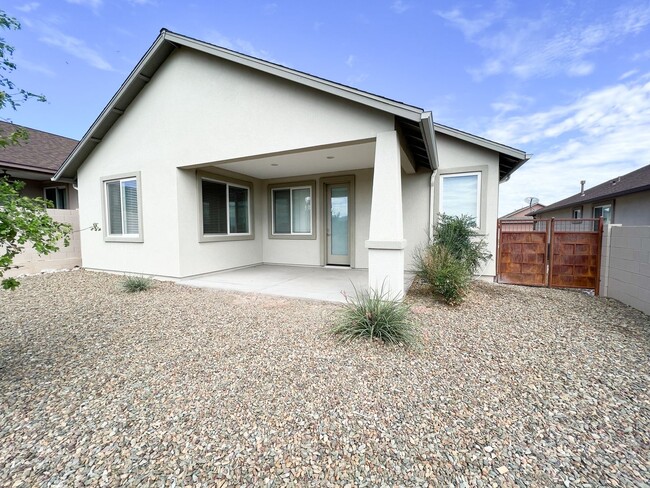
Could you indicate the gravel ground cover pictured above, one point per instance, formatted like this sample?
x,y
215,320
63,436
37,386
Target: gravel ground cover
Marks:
x,y
180,386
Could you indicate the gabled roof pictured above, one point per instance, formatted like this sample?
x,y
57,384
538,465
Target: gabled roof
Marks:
x,y
530,208
415,125
42,152
510,159
636,181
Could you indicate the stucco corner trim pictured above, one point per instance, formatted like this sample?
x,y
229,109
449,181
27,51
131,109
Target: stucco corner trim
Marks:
x,y
390,245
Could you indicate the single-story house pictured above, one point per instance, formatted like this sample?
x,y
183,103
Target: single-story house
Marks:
x,y
523,213
207,159
624,200
35,161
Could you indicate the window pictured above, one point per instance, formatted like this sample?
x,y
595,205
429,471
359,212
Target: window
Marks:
x,y
604,211
122,202
577,213
292,210
460,194
225,208
57,195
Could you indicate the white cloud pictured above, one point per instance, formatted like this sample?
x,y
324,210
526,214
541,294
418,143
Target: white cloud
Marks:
x,y
399,7
511,102
94,4
628,74
28,7
34,67
75,47
600,135
543,46
240,45
351,60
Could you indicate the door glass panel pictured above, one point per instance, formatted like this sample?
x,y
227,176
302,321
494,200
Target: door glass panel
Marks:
x,y
339,208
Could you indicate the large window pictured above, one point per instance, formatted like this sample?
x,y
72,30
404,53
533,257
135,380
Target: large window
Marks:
x,y
57,195
292,210
460,194
225,208
122,203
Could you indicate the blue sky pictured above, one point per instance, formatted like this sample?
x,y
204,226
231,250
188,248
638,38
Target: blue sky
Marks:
x,y
568,81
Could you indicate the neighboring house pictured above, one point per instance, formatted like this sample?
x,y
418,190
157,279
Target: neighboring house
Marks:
x,y
207,159
35,161
521,216
523,213
624,200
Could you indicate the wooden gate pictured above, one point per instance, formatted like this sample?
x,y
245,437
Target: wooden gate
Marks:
x,y
559,253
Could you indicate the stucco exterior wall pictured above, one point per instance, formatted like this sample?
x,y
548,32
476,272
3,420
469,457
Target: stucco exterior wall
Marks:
x,y
229,112
460,156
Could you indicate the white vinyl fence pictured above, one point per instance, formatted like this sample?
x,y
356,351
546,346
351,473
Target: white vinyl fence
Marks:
x,y
29,262
625,265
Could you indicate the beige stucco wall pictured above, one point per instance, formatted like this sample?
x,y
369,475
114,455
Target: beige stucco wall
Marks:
x,y
456,155
229,112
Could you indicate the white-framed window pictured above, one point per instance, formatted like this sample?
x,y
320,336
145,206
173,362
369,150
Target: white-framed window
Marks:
x,y
460,194
577,213
122,218
58,195
225,208
604,211
291,209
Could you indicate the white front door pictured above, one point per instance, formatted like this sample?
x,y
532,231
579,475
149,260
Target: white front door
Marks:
x,y
338,224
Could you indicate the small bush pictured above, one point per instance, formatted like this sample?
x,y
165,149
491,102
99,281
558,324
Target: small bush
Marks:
x,y
374,314
132,284
459,236
447,275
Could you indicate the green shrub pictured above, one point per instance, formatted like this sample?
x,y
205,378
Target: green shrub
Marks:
x,y
459,236
374,314
131,284
447,275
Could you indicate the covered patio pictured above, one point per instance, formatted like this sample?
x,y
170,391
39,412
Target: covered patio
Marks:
x,y
329,284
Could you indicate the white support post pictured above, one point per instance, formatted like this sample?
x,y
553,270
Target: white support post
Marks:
x,y
386,240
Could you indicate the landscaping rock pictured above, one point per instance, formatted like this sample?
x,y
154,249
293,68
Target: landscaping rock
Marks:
x,y
178,386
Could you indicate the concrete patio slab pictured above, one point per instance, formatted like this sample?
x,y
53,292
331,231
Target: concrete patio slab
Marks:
x,y
327,284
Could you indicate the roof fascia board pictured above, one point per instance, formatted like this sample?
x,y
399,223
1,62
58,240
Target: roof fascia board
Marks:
x,y
479,141
86,139
396,108
429,134
24,167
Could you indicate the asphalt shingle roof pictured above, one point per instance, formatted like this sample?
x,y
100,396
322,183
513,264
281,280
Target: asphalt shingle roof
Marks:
x,y
42,151
638,180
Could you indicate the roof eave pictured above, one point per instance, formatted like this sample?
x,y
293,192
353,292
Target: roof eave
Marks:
x,y
599,198
160,50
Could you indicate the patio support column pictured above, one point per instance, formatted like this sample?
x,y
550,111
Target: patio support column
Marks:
x,y
386,239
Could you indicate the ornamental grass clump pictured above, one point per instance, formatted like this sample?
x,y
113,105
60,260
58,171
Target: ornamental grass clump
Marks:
x,y
374,314
448,276
452,258
132,284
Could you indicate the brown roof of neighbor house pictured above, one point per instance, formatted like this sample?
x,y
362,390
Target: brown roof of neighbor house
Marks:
x,y
42,151
514,214
636,181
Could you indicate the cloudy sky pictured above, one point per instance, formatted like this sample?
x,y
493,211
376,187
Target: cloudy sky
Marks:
x,y
566,81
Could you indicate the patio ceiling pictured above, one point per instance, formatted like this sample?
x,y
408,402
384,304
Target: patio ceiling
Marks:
x,y
313,161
